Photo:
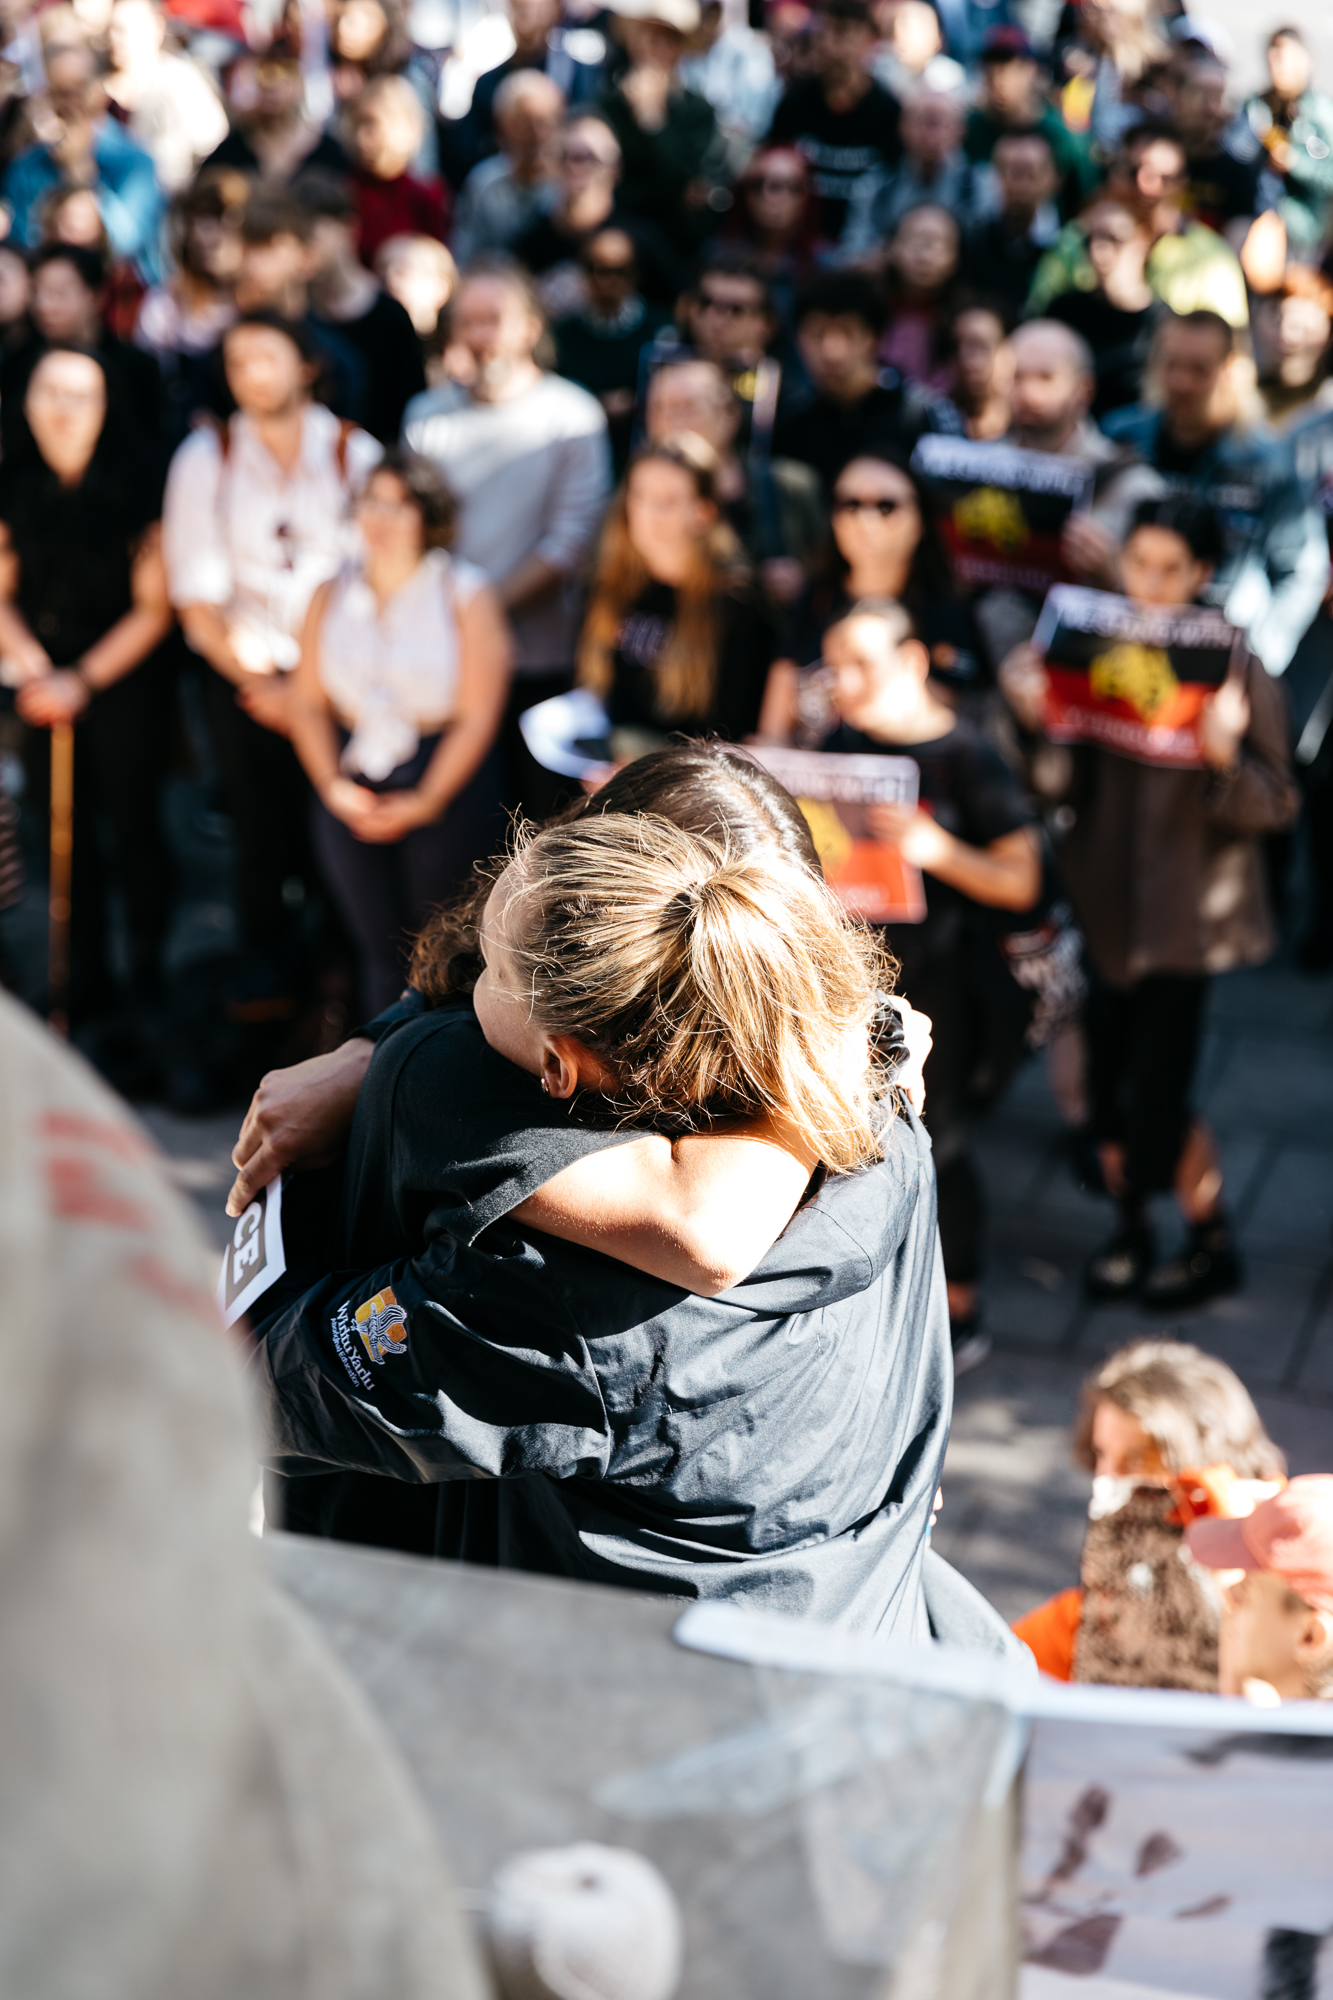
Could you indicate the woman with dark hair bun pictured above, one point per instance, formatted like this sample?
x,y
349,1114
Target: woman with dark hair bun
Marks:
x,y
83,621
397,704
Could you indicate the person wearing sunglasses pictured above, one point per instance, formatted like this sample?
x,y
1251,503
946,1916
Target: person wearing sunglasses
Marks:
x,y
774,216
588,175
599,344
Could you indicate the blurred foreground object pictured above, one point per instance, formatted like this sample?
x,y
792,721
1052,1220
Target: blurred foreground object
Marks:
x,y
586,1922
194,1798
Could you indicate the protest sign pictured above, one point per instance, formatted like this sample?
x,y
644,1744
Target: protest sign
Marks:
x,y
1001,510
256,1257
870,876
1131,677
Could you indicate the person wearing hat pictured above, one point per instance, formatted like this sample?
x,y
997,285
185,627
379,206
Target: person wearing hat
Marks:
x,y
1012,101
671,150
1276,1639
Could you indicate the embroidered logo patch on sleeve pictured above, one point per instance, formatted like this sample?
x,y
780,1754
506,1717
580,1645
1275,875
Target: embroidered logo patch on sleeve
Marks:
x,y
378,1321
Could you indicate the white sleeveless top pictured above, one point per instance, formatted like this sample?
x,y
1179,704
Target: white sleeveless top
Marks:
x,y
392,674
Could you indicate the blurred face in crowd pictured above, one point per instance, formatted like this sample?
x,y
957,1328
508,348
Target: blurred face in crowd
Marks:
x,y
420,274
1051,390
62,305
840,352
494,322
387,129
359,31
66,408
15,287
1268,1634
1122,1449
266,371
608,266
1154,180
1157,566
652,44
876,684
589,159
932,128
876,519
1025,173
135,34
78,220
1117,243
915,35
924,250
693,396
731,321
983,359
841,50
1201,106
390,520
212,247
273,273
532,22
271,93
1289,68
527,126
72,92
1301,338
776,185
667,519
1192,364
1009,89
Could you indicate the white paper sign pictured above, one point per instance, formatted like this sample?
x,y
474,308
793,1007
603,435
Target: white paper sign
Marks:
x,y
256,1257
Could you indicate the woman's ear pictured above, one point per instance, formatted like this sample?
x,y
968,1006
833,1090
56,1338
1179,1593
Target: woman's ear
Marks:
x,y
569,1065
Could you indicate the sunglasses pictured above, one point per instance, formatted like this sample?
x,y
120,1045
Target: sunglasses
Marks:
x,y
851,505
733,308
609,270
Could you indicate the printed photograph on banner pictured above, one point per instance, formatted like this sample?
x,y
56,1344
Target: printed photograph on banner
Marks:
x,y
256,1256
833,791
1002,510
1131,677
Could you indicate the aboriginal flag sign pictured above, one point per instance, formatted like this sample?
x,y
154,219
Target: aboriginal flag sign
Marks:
x,y
1131,677
870,877
1001,510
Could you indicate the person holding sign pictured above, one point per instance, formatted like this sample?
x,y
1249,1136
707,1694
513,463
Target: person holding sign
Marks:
x,y
1164,867
972,835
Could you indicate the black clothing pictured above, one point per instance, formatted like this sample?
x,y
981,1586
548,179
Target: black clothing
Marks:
x,y
1221,188
602,358
951,966
75,547
465,141
580,1419
544,244
133,381
747,647
268,796
995,264
827,435
1120,343
840,145
236,151
1143,1048
386,340
944,624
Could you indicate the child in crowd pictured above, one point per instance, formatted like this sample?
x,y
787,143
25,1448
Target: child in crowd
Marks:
x,y
1168,1433
973,836
1166,876
1277,1607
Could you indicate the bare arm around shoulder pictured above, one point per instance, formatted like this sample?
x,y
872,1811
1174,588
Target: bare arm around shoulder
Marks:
x,y
697,1212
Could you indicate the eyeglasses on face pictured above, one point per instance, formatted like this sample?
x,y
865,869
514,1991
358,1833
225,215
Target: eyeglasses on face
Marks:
x,y
850,503
582,156
776,184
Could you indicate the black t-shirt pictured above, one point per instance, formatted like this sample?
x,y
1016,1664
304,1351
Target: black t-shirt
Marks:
x,y
841,146
1222,188
998,265
1184,459
827,435
544,244
945,626
966,785
386,340
747,647
75,546
1120,343
509,1399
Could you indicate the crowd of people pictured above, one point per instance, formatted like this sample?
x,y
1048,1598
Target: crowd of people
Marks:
x,y
359,397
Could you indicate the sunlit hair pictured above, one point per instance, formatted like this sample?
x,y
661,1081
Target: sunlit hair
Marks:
x,y
1196,1410
686,675
712,983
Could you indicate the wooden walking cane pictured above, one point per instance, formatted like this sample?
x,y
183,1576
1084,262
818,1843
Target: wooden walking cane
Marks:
x,y
62,866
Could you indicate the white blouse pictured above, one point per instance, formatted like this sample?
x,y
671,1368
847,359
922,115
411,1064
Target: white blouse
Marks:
x,y
391,673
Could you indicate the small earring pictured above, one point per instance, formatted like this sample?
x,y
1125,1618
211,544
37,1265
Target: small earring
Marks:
x,y
546,1088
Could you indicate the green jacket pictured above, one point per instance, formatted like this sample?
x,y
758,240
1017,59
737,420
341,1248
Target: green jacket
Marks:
x,y
1307,185
1072,154
1191,271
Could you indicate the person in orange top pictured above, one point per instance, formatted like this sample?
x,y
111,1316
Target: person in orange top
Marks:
x,y
1170,1435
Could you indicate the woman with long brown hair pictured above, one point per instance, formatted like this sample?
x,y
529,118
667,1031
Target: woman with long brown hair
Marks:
x,y
676,637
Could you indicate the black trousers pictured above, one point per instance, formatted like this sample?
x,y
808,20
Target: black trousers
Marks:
x,y
123,745
268,797
944,989
1143,1048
